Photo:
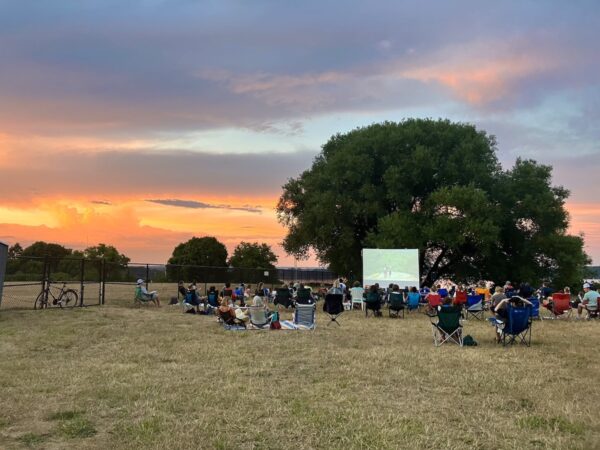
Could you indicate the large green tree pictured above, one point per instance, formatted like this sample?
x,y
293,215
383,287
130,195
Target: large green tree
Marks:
x,y
115,263
253,255
436,186
206,251
248,257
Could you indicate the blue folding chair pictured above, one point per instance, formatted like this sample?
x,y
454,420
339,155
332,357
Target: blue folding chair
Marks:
x,y
517,327
535,307
474,306
213,300
304,316
413,302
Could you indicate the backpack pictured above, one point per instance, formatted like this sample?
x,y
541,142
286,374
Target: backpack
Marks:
x,y
275,325
468,341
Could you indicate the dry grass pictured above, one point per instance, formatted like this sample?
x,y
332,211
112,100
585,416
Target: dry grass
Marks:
x,y
117,377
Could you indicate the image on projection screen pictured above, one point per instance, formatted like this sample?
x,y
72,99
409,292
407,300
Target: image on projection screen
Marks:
x,y
400,267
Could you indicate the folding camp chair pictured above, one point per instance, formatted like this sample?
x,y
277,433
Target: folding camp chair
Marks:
x,y
141,299
460,299
535,307
560,306
433,301
283,297
474,307
517,327
258,317
305,316
213,300
396,304
413,302
373,303
334,307
304,297
447,326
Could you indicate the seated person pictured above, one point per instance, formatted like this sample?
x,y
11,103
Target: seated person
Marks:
x,y
262,291
181,290
432,296
335,289
483,291
357,292
509,290
546,291
373,300
304,296
589,302
501,311
525,290
460,296
442,291
497,297
448,305
192,297
240,294
227,291
574,300
230,315
283,296
212,297
397,297
145,295
413,298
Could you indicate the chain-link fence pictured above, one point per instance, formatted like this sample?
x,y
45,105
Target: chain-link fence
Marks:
x,y
39,282
31,281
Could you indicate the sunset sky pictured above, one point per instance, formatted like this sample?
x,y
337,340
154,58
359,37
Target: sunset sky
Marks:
x,y
142,123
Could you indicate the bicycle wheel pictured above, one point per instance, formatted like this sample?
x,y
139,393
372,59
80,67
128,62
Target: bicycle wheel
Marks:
x,y
68,298
40,301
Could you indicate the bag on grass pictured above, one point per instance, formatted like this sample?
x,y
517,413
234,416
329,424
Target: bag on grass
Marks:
x,y
275,325
469,341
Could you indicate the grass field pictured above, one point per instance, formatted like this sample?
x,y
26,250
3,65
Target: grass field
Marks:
x,y
118,377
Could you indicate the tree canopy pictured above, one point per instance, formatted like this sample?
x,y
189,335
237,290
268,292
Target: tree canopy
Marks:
x,y
436,186
253,256
65,263
204,251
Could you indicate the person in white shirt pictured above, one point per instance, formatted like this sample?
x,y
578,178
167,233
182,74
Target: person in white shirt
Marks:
x,y
153,295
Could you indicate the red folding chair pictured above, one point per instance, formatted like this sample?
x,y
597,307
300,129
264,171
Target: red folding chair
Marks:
x,y
460,298
433,301
560,307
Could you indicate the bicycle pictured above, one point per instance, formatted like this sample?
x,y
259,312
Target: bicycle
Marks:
x,y
64,297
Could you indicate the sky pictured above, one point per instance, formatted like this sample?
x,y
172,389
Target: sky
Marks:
x,y
143,123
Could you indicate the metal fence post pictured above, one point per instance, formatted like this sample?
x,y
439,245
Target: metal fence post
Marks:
x,y
3,259
46,278
147,275
81,283
103,281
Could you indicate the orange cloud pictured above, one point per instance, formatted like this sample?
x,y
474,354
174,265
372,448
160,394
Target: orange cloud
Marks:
x,y
144,231
480,80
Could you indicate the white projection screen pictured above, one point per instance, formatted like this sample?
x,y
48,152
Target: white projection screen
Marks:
x,y
398,266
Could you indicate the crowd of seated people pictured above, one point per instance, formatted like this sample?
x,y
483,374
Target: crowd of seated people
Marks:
x,y
374,297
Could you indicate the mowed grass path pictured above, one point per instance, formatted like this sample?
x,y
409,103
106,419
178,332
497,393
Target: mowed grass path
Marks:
x,y
118,377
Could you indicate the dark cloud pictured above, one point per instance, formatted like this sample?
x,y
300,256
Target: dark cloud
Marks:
x,y
83,67
199,205
100,202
